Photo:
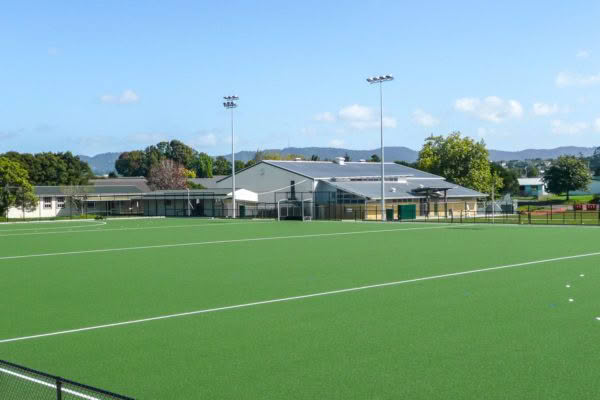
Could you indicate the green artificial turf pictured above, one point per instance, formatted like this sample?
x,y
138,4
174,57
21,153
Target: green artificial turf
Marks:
x,y
502,334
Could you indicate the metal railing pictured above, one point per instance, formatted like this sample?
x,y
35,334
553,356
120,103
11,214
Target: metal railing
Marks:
x,y
19,383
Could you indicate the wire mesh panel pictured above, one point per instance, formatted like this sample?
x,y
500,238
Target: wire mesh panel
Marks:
x,y
18,383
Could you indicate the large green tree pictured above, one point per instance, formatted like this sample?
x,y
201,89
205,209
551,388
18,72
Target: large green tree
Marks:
x,y
132,163
460,160
222,166
510,178
595,162
15,188
53,169
203,165
566,174
139,163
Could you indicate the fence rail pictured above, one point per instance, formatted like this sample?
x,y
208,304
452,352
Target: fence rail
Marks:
x,y
18,383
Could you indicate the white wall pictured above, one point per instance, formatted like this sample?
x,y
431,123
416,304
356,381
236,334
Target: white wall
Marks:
x,y
40,211
263,177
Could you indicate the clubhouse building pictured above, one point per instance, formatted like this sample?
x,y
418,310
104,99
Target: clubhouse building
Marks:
x,y
319,189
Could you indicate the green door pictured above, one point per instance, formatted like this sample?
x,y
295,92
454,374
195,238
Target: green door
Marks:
x,y
389,214
242,211
407,211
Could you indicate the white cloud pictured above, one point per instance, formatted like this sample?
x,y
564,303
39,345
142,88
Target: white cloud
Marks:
x,y
566,128
583,54
597,124
356,112
542,109
565,79
325,117
127,97
209,139
148,137
491,108
424,119
336,142
389,122
363,117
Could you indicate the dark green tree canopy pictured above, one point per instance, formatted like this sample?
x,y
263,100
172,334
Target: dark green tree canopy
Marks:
x,y
510,178
53,169
15,189
567,173
460,160
139,163
222,166
595,162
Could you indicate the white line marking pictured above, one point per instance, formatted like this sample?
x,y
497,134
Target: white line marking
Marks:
x,y
162,246
47,384
59,221
305,296
87,225
136,228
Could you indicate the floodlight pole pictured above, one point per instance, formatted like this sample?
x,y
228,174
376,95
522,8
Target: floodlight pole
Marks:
x,y
188,202
231,104
380,80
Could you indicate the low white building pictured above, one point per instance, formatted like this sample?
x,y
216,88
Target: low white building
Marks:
x,y
532,187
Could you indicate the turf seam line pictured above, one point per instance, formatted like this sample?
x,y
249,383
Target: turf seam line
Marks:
x,y
163,246
300,297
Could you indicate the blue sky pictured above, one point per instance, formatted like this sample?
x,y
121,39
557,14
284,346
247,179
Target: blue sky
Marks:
x,y
92,77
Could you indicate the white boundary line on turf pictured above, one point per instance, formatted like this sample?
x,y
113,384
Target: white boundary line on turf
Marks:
x,y
135,228
510,225
97,223
306,296
134,218
47,384
59,221
163,246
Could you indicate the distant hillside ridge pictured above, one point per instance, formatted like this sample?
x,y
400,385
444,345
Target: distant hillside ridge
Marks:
x,y
101,164
104,163
401,153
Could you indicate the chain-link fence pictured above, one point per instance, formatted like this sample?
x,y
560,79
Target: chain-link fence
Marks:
x,y
21,383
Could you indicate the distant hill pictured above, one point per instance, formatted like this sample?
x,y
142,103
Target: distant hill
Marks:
x,y
105,162
391,153
101,163
530,154
395,153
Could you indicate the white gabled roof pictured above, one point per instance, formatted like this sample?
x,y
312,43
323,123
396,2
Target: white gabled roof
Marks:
x,y
530,181
244,195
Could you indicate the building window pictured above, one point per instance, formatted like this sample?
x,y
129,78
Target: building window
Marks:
x,y
293,190
60,202
167,202
91,204
47,202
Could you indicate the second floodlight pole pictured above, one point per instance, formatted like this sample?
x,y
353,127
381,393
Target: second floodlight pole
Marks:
x,y
380,80
230,103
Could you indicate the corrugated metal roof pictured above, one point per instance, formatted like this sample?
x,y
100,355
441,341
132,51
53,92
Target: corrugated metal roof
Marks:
x,y
328,169
89,190
402,190
208,182
139,182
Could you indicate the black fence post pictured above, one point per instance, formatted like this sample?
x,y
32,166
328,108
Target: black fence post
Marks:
x,y
58,389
